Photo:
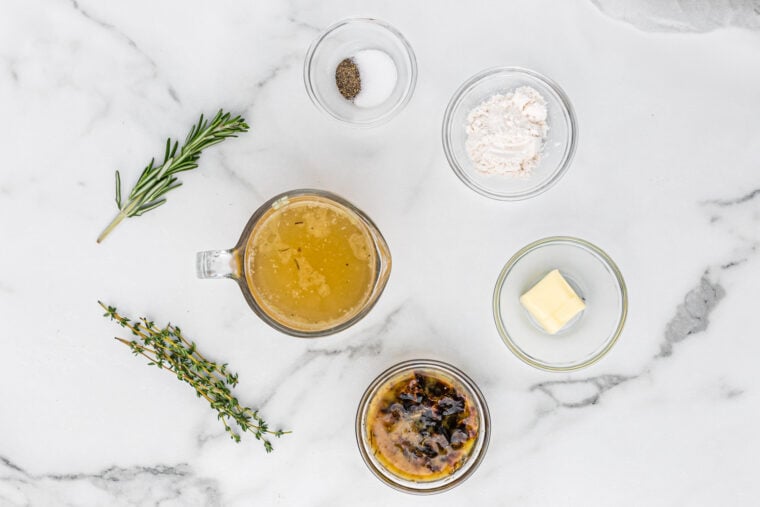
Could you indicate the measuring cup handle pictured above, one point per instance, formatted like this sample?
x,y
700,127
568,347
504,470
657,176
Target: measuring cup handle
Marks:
x,y
218,264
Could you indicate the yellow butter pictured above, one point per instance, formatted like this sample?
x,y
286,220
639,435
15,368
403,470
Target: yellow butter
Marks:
x,y
552,302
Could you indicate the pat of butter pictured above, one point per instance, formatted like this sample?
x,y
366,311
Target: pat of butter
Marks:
x,y
552,302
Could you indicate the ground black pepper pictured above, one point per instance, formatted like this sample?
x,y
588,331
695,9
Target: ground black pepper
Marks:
x,y
347,79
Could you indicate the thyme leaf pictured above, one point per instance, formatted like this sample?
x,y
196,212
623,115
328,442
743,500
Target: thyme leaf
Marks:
x,y
168,349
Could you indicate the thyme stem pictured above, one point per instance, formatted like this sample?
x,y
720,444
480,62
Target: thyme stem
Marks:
x,y
168,349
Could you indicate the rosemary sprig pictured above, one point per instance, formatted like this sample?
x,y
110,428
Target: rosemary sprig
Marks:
x,y
156,180
168,349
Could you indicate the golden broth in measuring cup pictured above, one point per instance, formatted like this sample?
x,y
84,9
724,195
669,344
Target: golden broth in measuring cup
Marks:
x,y
309,263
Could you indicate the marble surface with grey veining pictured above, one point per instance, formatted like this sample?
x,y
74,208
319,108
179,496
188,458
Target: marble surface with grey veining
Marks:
x,y
666,179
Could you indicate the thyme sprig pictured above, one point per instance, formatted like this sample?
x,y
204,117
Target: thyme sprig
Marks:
x,y
168,349
156,180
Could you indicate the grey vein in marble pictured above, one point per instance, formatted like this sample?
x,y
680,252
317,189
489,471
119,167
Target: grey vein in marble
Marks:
x,y
692,315
235,176
131,42
367,346
729,392
286,62
368,343
10,64
304,24
738,200
138,485
741,219
733,264
274,71
579,393
690,318
683,15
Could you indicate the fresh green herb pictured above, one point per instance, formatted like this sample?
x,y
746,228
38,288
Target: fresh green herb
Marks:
x,y
168,349
156,181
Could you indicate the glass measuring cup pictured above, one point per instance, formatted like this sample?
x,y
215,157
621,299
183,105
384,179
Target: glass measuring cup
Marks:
x,y
309,263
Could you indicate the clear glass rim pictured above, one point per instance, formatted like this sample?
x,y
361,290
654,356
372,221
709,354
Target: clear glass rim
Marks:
x,y
568,112
397,108
484,432
507,339
384,261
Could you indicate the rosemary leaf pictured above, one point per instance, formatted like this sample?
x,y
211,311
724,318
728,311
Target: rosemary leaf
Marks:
x,y
118,190
156,181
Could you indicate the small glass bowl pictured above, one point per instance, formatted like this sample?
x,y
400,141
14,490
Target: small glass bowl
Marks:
x,y
457,377
344,39
559,145
594,277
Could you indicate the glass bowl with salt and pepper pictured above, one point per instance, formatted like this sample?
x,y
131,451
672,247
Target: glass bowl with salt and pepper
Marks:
x,y
360,71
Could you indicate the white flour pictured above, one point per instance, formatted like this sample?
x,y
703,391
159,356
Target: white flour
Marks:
x,y
505,133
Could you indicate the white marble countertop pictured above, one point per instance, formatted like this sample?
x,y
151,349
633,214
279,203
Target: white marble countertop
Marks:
x,y
666,179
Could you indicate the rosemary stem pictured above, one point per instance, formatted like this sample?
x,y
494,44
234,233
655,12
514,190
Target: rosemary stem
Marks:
x,y
123,213
156,181
116,221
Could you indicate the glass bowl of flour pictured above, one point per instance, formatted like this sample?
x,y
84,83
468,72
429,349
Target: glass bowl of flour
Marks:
x,y
509,133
